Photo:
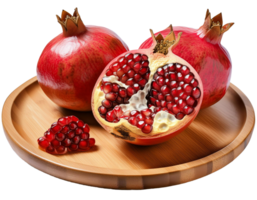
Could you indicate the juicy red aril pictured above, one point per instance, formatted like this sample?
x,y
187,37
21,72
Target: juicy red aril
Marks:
x,y
107,103
114,67
102,110
149,120
137,57
122,92
133,121
72,137
111,96
107,88
110,116
147,128
174,90
140,124
129,56
146,112
115,87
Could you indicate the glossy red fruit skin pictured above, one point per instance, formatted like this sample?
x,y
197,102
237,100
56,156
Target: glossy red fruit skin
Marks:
x,y
209,58
69,66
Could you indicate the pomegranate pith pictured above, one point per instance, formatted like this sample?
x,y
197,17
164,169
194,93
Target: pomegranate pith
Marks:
x,y
69,134
160,99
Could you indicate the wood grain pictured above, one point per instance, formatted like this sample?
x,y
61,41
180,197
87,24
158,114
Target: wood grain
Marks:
x,y
216,137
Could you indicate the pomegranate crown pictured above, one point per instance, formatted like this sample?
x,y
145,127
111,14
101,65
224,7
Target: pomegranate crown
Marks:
x,y
213,28
162,44
71,24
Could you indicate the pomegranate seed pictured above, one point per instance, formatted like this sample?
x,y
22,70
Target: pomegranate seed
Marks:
x,y
136,86
179,77
143,70
157,109
188,88
171,67
184,70
179,116
56,128
194,82
130,91
174,92
149,120
130,81
50,149
134,113
119,100
163,103
188,110
175,109
146,76
137,67
73,147
190,101
111,96
122,61
110,116
49,136
107,88
62,121
76,140
129,56
147,128
142,82
165,89
181,84
181,104
179,90
80,123
78,131
160,80
165,68
73,125
126,100
173,76
170,105
137,57
115,87
145,63
86,128
117,111
43,142
124,78
137,77
146,112
152,100
131,63
196,93
109,72
176,99
115,67
125,68
71,134
131,73
120,72
133,121
59,136
154,93
65,129
106,103
55,143
140,124
83,144
61,149
153,115
183,95
168,97
178,67
91,142
144,57
157,103
102,110
140,117
122,92
165,109
84,136
161,96
189,77
156,86
66,142
160,72
173,84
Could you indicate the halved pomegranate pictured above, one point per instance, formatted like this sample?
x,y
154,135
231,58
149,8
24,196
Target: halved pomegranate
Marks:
x,y
148,96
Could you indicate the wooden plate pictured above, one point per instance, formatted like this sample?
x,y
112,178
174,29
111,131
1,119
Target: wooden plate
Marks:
x,y
216,137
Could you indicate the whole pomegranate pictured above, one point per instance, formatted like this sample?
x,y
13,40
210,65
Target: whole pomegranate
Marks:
x,y
202,49
71,63
147,96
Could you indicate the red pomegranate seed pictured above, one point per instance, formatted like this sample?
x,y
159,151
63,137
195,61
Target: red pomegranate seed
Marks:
x,y
184,70
137,77
111,96
56,128
126,100
178,67
168,97
110,116
188,110
91,142
115,87
180,77
122,92
173,84
157,109
49,135
55,143
133,121
125,68
137,57
107,88
129,56
86,128
194,82
170,105
137,67
160,72
62,121
183,95
171,67
43,142
106,103
120,72
76,140
50,149
179,90
145,63
109,73
59,136
130,81
196,93
78,131
163,103
165,89
147,128
131,63
144,57
143,70
140,124
173,76
124,78
136,86
165,109
189,77
176,99
181,104
134,113
156,86
160,81
115,67
190,101
175,109
146,76
181,84
131,73
66,142
71,134
102,110
157,103
83,144
140,117
73,147
188,88
80,123
146,112
161,96
179,116
154,93
142,82
119,100
84,136
122,61
149,120
152,100
73,126
118,111
130,91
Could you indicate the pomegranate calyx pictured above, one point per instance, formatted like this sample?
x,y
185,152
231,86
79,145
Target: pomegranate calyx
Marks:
x,y
163,44
213,29
71,24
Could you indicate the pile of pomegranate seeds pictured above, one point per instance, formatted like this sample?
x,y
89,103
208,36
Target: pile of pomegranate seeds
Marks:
x,y
174,89
68,134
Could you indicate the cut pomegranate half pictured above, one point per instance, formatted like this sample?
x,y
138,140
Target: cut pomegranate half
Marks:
x,y
147,96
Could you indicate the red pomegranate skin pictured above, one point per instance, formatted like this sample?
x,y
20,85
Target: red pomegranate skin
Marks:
x,y
210,59
69,66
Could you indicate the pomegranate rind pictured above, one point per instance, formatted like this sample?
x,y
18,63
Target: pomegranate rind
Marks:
x,y
163,129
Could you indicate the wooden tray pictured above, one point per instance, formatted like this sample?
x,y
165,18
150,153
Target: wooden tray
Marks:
x,y
216,137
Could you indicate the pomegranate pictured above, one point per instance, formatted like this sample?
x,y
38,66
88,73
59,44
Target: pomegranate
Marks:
x,y
71,63
68,134
203,50
147,96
